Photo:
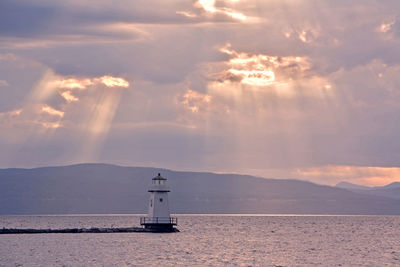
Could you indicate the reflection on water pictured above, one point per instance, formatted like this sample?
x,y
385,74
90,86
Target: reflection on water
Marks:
x,y
239,240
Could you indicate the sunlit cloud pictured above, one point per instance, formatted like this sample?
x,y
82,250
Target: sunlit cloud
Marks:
x,y
41,114
3,83
110,81
386,27
258,97
83,83
210,7
51,125
262,67
288,34
364,175
98,106
52,83
333,174
195,101
32,117
15,112
10,114
73,83
124,31
279,74
67,95
257,77
52,111
186,14
304,33
307,36
96,109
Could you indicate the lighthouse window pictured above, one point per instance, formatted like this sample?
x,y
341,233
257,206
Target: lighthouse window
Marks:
x,y
160,199
151,203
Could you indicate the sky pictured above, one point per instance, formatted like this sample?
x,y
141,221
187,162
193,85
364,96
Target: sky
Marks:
x,y
277,88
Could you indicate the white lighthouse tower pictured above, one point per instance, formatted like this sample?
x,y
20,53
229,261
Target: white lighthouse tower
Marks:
x,y
158,217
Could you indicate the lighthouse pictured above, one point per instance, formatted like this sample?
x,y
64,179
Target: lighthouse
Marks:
x,y
158,218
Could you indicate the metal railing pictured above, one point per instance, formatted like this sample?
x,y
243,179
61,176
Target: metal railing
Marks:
x,y
159,220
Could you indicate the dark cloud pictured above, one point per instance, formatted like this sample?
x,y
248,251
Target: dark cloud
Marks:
x,y
22,18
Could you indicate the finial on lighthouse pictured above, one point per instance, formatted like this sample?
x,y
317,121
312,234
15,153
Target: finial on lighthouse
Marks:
x,y
158,218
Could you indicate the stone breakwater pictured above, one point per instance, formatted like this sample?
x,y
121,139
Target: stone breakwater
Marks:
x,y
80,230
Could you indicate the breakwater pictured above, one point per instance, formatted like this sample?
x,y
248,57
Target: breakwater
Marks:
x,y
81,230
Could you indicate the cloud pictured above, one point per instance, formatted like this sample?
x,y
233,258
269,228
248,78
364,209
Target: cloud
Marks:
x,y
186,14
52,111
67,95
302,85
26,25
364,175
386,27
8,57
73,83
32,117
3,83
110,81
10,114
259,70
210,7
333,174
282,75
194,101
89,108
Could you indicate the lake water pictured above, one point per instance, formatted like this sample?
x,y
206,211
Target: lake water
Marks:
x,y
204,240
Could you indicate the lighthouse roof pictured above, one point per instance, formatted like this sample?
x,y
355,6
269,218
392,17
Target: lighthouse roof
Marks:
x,y
159,177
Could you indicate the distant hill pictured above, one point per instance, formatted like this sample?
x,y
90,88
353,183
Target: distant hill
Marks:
x,y
390,191
392,185
350,186
103,188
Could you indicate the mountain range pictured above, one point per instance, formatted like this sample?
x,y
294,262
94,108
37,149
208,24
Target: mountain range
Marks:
x,y
111,189
391,190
